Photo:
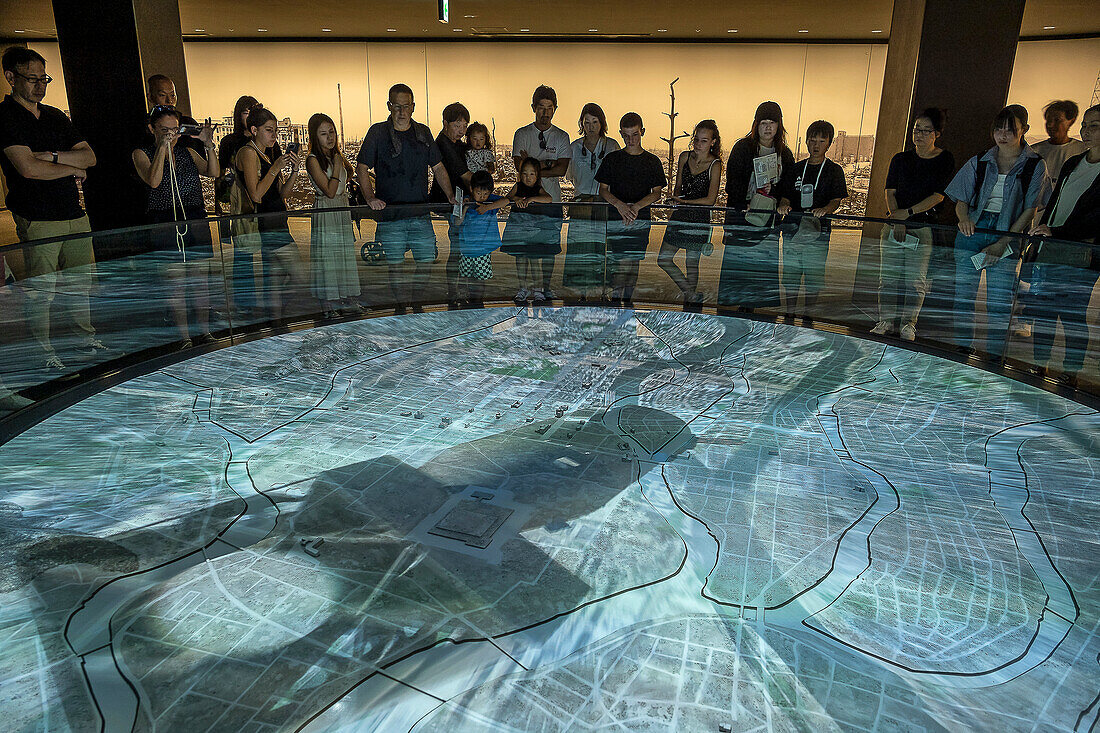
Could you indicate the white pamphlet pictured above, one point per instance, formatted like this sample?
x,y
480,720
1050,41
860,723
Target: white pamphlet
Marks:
x,y
766,169
458,211
981,261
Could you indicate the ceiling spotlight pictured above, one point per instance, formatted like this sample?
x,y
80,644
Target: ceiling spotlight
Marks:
x,y
469,16
1048,27
457,30
326,30
261,30
731,30
391,30
803,30
524,30
200,30
20,31
593,30
662,30
876,31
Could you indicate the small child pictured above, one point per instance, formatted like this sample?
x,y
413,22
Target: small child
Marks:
x,y
524,235
479,236
479,156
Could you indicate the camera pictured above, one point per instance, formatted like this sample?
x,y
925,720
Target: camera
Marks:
x,y
293,148
191,130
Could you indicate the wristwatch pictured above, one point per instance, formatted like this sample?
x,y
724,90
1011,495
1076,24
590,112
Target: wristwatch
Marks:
x,y
55,157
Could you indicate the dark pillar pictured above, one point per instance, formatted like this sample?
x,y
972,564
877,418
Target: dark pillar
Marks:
x,y
952,54
102,45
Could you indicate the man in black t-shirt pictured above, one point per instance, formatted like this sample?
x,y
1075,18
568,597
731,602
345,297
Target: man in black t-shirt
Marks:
x,y
400,151
813,188
42,157
630,180
453,152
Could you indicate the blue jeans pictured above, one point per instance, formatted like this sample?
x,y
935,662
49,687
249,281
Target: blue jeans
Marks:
x,y
1000,283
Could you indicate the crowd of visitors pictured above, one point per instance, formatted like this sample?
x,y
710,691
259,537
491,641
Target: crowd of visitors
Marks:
x,y
776,224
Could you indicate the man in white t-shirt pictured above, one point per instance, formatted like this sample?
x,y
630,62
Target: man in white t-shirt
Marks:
x,y
1059,147
544,142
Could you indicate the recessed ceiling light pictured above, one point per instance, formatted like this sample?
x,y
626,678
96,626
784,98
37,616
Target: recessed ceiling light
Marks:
x,y
261,30
696,30
391,30
803,30
20,31
326,30
732,30
593,30
469,16
457,30
1048,27
876,31
200,30
524,30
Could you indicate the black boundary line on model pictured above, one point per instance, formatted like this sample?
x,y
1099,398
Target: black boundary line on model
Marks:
x,y
1038,625
218,536
1081,716
528,627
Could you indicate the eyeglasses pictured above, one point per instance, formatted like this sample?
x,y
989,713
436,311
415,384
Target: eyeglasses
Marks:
x,y
542,140
401,107
35,79
162,108
923,131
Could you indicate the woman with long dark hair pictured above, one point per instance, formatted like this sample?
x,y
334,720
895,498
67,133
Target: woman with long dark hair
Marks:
x,y
243,234
750,262
262,175
696,189
333,272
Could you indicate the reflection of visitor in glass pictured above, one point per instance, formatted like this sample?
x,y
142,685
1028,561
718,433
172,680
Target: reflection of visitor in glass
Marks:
x,y
814,189
999,190
1059,117
267,183
171,171
230,197
479,238
334,276
400,151
630,180
479,149
43,158
698,176
452,149
1063,275
750,261
586,232
914,188
525,234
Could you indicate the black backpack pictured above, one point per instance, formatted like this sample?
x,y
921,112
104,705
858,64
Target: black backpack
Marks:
x,y
1024,177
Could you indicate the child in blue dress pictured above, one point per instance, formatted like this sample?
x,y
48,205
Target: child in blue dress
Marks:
x,y
479,236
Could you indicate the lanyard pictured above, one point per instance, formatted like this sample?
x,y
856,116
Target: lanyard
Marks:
x,y
806,167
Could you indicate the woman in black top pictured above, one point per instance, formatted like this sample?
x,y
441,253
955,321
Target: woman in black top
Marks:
x,y
1064,274
750,273
263,181
914,188
697,182
171,171
244,283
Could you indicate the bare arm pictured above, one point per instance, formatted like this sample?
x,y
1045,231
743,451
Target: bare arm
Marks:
x,y
653,196
444,180
828,208
208,164
712,192
287,184
891,203
561,165
36,169
250,173
678,186
962,211
329,186
80,156
150,171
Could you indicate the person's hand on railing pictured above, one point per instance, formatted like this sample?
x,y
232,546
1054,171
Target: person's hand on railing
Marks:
x,y
375,203
627,212
783,208
966,227
1041,231
521,202
994,251
820,211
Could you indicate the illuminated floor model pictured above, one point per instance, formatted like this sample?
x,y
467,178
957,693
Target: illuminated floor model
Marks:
x,y
561,520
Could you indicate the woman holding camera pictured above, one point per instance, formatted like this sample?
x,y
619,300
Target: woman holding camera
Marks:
x,y
171,171
266,186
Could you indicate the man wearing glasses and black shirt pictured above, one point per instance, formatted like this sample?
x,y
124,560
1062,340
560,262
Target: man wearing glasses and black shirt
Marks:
x,y
43,158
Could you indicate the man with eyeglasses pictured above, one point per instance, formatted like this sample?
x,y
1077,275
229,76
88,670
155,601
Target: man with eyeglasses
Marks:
x,y
43,158
400,151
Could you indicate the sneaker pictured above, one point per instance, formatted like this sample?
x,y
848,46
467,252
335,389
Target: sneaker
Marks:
x,y
417,308
14,402
204,338
549,294
521,296
538,297
909,332
399,309
880,328
90,345
185,344
52,362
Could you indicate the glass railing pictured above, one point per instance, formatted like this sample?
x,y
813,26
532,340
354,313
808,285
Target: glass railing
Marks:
x,y
83,311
